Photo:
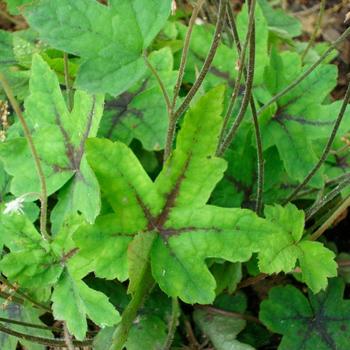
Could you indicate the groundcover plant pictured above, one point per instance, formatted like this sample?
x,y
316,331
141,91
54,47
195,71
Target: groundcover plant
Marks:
x,y
167,173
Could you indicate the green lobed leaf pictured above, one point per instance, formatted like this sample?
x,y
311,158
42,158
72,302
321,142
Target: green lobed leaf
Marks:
x,y
316,262
62,157
300,117
141,112
109,39
35,264
170,215
319,322
193,235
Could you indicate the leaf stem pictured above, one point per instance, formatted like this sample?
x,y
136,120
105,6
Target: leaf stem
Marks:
x,y
160,83
306,73
41,340
241,64
316,30
231,314
174,321
327,148
29,325
5,15
252,280
343,263
258,138
326,199
194,344
338,180
260,162
328,223
199,81
14,299
246,99
67,82
208,61
120,335
35,155
185,51
67,337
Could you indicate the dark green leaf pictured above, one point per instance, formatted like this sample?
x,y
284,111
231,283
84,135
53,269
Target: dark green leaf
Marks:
x,y
59,137
141,112
221,330
320,322
301,116
110,39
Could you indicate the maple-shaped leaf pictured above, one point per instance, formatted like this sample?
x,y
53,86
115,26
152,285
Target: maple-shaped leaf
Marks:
x,y
171,214
301,116
109,39
33,262
320,322
26,314
59,137
281,254
139,112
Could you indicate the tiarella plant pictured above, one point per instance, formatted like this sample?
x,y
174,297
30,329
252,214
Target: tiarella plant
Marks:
x,y
177,160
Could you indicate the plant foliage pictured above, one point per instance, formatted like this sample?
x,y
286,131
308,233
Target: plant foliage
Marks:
x,y
153,165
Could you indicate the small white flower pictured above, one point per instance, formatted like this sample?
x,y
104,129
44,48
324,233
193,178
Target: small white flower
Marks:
x,y
173,7
199,21
15,206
